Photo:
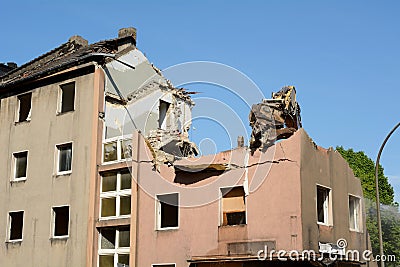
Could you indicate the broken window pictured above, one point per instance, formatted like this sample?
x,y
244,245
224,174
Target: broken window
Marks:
x,y
167,211
16,220
354,213
67,97
162,121
323,204
20,165
114,243
24,107
60,221
119,148
233,206
64,158
115,195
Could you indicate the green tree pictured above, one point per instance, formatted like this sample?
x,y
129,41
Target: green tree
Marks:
x,y
364,168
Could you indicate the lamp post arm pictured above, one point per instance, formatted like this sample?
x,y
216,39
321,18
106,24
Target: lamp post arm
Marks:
x,y
378,207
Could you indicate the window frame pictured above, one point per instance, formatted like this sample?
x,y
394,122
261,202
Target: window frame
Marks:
x,y
14,166
115,251
117,194
221,211
158,212
119,140
9,222
358,223
57,158
17,114
60,98
53,223
328,208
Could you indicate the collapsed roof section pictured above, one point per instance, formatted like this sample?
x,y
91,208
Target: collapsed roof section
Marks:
x,y
75,52
274,119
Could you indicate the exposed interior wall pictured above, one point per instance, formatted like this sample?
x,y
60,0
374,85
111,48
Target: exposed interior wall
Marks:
x,y
43,189
144,90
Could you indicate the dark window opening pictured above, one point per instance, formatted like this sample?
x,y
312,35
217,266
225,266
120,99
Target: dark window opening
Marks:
x,y
16,225
322,204
67,97
164,106
168,210
236,218
233,206
64,157
61,220
108,238
25,103
21,161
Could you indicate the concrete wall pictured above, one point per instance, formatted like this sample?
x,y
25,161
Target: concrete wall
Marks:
x,y
273,210
329,169
42,188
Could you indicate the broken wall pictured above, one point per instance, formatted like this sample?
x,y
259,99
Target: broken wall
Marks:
x,y
138,95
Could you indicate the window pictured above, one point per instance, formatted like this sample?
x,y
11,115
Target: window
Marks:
x,y
115,194
354,213
118,148
323,205
16,225
20,165
163,110
64,161
24,107
114,243
67,97
233,206
60,221
167,211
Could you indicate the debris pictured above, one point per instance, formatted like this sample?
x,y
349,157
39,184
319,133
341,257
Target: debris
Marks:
x,y
274,119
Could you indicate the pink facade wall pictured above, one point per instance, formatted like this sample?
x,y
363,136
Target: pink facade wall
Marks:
x,y
273,209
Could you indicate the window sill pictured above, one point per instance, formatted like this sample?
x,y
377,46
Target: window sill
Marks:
x,y
325,224
356,231
21,122
16,241
63,113
66,173
167,229
18,180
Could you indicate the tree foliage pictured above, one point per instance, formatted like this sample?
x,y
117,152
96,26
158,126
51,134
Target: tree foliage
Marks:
x,y
364,168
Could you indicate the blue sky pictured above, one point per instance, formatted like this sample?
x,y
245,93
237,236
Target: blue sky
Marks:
x,y
342,56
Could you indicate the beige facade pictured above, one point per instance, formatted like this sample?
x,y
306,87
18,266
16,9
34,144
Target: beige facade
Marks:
x,y
43,187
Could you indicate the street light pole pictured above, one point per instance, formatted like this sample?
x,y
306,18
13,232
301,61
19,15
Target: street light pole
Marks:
x,y
378,206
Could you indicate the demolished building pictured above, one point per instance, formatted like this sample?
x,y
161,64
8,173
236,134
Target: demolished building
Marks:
x,y
99,171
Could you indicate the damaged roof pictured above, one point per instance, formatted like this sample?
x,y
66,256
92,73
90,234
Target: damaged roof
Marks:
x,y
75,52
